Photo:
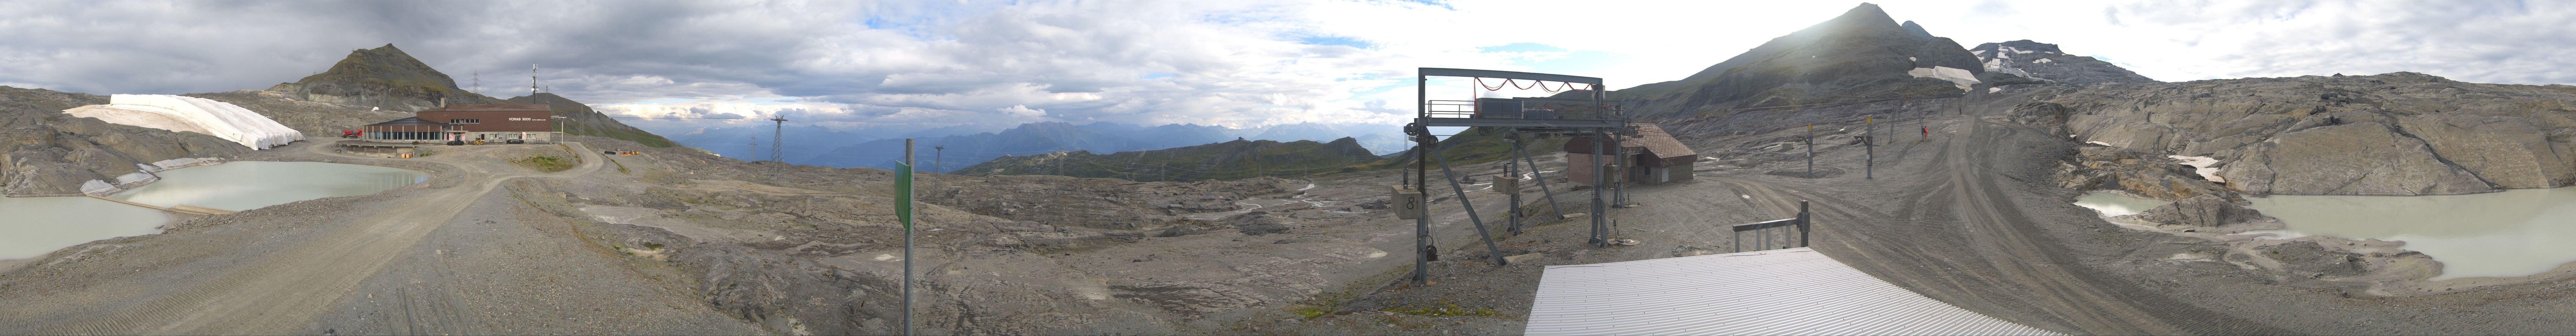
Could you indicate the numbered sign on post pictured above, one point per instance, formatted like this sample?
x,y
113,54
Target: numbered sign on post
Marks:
x,y
1407,202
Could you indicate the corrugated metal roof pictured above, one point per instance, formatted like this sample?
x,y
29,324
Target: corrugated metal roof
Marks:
x,y
1662,145
1777,292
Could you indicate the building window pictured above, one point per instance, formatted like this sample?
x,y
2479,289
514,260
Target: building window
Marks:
x,y
465,121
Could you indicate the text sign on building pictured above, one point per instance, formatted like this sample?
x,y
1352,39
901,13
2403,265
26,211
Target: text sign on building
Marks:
x,y
525,119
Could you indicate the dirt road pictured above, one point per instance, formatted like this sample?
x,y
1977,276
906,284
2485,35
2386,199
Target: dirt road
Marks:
x,y
1957,236
271,293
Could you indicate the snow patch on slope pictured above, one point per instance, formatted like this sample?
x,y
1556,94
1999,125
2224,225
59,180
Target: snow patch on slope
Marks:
x,y
192,114
1955,75
2203,163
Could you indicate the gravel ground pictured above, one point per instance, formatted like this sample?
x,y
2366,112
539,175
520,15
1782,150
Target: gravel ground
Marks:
x,y
1966,216
313,267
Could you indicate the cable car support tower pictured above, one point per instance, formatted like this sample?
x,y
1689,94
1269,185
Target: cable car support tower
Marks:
x,y
1588,116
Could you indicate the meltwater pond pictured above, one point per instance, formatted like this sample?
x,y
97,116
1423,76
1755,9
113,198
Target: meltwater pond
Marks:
x,y
38,225
2502,234
249,185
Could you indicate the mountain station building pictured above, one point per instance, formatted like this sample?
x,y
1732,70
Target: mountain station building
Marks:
x,y
531,122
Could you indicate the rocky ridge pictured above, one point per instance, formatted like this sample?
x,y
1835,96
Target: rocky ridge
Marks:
x,y
1859,56
2044,62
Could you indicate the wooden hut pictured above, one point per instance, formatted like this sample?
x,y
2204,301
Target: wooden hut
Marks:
x,y
1649,157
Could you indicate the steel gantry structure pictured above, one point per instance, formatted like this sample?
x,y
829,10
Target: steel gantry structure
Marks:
x,y
1588,116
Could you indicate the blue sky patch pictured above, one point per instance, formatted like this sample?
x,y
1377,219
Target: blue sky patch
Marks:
x,y
1336,40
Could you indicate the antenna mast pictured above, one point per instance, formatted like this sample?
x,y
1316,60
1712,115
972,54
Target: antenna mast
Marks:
x,y
478,81
532,80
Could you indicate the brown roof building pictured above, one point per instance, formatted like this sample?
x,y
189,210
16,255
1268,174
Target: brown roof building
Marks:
x,y
1650,157
494,117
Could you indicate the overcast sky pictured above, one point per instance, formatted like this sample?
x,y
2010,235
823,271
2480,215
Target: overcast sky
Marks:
x,y
1207,62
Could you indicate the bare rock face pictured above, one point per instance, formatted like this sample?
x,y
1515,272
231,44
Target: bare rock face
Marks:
x,y
2313,260
2506,151
2388,134
2112,168
2201,211
2357,159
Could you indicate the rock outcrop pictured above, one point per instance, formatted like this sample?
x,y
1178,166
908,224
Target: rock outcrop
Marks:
x,y
2200,211
2390,134
2111,168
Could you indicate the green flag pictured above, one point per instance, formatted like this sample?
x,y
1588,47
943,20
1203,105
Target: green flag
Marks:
x,y
903,195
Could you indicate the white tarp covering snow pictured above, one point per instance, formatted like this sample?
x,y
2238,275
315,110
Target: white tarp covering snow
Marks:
x,y
97,187
136,179
1954,75
2203,163
192,114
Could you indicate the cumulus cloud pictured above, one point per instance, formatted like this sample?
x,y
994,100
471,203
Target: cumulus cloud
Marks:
x,y
937,64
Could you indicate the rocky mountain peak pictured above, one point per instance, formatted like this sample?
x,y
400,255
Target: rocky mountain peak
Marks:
x,y
1918,31
1861,55
383,77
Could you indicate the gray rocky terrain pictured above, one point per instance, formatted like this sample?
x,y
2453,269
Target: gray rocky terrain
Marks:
x,y
2389,134
1962,196
44,152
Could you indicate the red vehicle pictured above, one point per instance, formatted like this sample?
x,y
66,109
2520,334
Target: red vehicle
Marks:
x,y
352,134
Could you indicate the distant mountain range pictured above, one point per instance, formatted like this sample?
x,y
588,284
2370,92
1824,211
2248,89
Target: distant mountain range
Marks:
x,y
1217,161
882,147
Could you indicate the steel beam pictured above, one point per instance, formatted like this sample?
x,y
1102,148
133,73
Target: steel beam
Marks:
x,y
1509,75
1615,122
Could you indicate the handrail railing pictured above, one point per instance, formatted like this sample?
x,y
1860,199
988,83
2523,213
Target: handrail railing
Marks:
x,y
1763,239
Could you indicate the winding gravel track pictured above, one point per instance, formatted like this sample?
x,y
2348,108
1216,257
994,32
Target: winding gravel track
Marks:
x,y
1957,236
286,289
